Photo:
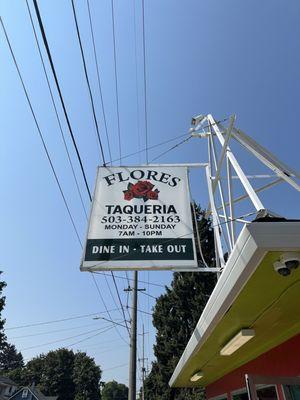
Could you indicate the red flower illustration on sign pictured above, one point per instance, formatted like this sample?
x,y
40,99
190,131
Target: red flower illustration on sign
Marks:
x,y
128,195
141,190
152,195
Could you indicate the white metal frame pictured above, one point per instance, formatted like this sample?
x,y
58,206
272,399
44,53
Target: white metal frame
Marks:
x,y
220,179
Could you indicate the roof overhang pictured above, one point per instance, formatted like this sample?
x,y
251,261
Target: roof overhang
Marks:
x,y
249,294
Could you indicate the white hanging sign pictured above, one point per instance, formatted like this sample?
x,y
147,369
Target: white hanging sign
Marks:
x,y
140,219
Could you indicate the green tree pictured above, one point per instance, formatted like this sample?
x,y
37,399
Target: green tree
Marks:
x,y
10,358
114,391
56,375
2,321
62,373
86,377
175,316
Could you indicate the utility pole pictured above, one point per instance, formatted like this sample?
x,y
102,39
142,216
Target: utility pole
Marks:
x,y
133,331
143,364
133,337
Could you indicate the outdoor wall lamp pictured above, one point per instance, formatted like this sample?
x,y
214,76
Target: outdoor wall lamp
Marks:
x,y
237,341
197,375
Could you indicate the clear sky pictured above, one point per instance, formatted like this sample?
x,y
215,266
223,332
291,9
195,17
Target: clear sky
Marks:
x,y
221,57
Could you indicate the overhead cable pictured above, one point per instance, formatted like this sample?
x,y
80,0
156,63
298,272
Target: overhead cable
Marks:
x,y
115,367
149,295
150,148
88,81
122,307
41,135
55,109
51,332
161,143
142,311
112,296
60,94
130,279
98,77
67,338
116,76
172,148
41,26
145,81
95,120
136,80
36,122
100,295
90,337
60,320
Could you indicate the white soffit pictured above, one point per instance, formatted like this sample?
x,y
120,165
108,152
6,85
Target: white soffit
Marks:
x,y
254,241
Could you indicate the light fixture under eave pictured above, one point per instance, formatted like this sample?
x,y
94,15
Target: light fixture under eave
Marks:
x,y
196,376
237,341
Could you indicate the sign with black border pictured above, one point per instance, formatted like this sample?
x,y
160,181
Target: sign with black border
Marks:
x,y
140,219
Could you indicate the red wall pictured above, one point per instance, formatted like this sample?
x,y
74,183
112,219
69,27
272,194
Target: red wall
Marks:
x,y
283,360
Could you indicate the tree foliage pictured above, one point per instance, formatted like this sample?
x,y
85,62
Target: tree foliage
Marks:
x,y
86,378
62,373
175,316
114,391
10,358
2,321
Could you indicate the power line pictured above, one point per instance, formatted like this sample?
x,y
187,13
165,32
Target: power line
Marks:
x,y
37,125
172,148
104,342
112,296
164,142
110,349
118,295
41,135
64,339
60,94
149,295
87,81
55,109
136,79
98,77
45,41
100,295
108,320
116,75
150,148
123,312
127,278
60,320
142,311
116,366
50,332
95,119
145,81
130,279
90,337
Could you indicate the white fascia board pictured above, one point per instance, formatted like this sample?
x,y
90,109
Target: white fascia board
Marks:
x,y
254,241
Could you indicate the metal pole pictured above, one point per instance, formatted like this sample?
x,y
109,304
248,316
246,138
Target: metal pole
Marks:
x,y
133,331
143,365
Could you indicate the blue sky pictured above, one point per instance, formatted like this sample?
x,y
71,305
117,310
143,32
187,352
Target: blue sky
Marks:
x,y
221,57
